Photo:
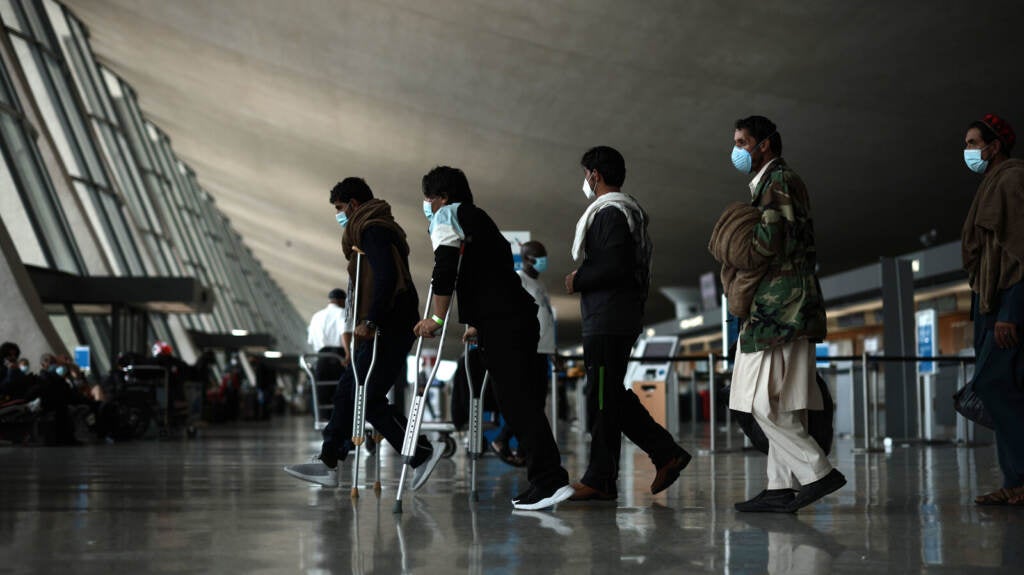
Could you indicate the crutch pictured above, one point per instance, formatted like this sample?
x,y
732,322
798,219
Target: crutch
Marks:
x,y
412,430
359,413
476,422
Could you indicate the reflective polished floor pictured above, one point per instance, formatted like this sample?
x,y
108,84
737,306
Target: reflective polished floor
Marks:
x,y
221,504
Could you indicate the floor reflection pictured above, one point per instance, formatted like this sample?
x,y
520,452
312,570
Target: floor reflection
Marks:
x,y
222,505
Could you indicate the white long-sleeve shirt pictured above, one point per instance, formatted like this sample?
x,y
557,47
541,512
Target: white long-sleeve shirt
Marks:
x,y
326,327
545,314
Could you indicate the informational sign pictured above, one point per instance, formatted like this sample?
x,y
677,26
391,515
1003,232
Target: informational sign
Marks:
x,y
927,344
83,357
871,344
708,290
821,352
517,239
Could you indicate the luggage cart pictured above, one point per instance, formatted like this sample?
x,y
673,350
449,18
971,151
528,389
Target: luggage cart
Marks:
x,y
142,386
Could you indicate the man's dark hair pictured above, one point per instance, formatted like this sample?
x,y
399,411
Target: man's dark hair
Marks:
x,y
9,348
351,189
989,135
337,293
532,247
760,128
448,183
608,162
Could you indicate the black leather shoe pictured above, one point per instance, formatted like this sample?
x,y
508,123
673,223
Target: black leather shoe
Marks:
x,y
814,491
768,501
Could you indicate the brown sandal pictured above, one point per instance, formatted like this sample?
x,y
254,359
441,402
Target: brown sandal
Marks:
x,y
1012,496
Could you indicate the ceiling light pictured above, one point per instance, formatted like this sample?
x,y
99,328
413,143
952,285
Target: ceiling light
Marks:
x,y
692,322
239,332
272,354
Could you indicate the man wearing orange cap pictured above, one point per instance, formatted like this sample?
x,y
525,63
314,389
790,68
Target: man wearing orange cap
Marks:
x,y
993,255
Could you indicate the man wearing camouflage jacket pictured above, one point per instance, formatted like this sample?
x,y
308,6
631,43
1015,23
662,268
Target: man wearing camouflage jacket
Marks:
x,y
774,374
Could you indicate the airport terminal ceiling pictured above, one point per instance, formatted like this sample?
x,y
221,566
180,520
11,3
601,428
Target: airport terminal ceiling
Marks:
x,y
273,102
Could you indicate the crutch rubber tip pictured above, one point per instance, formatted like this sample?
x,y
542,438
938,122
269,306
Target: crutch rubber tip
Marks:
x,y
376,488
397,509
355,493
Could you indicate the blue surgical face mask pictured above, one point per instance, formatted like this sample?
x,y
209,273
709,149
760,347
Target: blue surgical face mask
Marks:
x,y
23,368
61,370
540,264
741,159
428,210
973,160
342,219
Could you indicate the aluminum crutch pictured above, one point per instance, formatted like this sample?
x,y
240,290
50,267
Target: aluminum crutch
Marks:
x,y
359,411
412,429
476,422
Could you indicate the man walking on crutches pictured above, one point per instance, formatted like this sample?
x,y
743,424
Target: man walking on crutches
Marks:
x,y
502,317
387,310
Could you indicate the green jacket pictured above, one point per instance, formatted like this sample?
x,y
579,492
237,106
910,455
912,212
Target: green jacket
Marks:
x,y
788,304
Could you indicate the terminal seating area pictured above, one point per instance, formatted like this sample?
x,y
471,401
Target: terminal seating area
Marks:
x,y
56,403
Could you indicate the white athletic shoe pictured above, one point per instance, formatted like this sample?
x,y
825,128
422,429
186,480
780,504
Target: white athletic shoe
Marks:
x,y
541,499
422,473
315,472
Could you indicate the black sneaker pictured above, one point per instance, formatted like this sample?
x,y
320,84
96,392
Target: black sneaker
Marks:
x,y
540,498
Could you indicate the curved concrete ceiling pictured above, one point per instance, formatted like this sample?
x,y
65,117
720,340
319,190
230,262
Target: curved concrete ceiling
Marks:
x,y
273,102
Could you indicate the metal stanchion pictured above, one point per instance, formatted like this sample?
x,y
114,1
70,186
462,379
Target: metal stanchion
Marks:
x,y
693,400
728,426
554,398
919,397
961,422
866,400
874,407
712,417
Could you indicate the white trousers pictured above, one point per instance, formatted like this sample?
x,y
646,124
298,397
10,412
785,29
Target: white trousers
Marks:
x,y
794,458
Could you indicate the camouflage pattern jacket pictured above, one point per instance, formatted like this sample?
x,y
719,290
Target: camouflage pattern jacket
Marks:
x,y
787,304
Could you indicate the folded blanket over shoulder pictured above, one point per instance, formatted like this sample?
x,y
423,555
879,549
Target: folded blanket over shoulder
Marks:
x,y
742,266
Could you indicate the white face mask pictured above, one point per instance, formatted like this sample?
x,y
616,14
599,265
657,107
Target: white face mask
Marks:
x,y
587,190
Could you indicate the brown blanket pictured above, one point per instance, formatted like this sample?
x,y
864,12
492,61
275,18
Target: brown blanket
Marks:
x,y
993,234
742,266
373,213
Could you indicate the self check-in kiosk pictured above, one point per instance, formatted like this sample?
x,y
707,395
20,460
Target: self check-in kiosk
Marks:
x,y
655,380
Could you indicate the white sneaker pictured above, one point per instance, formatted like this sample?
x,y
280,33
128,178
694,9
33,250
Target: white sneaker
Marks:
x,y
422,473
315,472
538,499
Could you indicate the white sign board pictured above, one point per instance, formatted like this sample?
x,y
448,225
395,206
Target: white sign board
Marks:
x,y
516,240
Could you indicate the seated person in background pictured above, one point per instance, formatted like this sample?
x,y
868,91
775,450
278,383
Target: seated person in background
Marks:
x,y
14,382
55,395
